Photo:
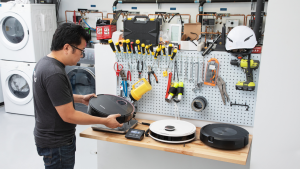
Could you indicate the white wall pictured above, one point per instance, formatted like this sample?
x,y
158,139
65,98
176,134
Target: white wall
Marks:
x,y
276,126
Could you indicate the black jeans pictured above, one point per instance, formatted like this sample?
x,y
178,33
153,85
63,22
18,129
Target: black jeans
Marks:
x,y
59,158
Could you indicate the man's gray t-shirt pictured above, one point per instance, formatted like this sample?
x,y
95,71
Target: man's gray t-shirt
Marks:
x,y
51,87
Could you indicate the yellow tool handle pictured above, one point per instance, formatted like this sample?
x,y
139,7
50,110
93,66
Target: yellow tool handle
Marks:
x,y
173,54
164,50
124,46
111,43
128,45
118,47
137,42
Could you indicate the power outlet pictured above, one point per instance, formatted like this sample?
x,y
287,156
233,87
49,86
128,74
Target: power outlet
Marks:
x,y
231,23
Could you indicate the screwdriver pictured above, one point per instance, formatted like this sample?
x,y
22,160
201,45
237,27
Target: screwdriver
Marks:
x,y
118,48
173,54
143,50
147,49
164,50
151,49
137,42
160,46
128,49
159,54
133,49
156,54
170,49
124,49
111,43
112,46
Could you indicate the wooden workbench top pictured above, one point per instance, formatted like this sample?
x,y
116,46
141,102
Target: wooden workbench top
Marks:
x,y
194,148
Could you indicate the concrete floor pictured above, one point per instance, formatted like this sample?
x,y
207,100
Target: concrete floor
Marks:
x,y
18,150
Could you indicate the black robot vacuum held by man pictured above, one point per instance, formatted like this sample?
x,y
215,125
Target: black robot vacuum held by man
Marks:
x,y
105,104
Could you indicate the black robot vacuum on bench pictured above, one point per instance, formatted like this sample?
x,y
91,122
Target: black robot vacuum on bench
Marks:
x,y
104,105
224,136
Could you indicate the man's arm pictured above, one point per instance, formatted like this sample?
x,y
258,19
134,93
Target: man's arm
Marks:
x,y
84,99
77,98
70,115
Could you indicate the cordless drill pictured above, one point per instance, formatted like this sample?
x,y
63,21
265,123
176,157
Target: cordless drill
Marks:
x,y
248,65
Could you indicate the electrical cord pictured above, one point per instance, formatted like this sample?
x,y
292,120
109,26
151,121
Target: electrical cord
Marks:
x,y
194,34
144,123
163,19
174,16
88,25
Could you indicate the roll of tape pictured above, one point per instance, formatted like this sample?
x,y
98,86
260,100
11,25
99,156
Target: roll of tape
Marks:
x,y
199,104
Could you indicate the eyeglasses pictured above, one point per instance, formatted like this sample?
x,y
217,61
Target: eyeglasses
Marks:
x,y
82,51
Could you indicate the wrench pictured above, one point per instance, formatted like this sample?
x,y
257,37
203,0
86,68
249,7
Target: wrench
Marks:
x,y
186,71
196,88
191,72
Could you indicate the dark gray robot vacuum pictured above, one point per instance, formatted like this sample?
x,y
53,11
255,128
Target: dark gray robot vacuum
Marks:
x,y
224,136
104,105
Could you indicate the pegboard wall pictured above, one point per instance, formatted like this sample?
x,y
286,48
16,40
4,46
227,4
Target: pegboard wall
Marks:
x,y
153,102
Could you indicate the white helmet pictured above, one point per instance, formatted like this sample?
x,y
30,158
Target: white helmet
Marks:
x,y
240,37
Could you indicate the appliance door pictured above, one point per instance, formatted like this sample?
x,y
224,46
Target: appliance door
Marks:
x,y
14,32
83,82
18,87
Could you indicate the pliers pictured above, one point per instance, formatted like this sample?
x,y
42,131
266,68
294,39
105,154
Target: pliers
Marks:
x,y
129,72
222,86
138,68
150,71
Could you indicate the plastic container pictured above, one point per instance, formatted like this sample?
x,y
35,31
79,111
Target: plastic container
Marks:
x,y
146,31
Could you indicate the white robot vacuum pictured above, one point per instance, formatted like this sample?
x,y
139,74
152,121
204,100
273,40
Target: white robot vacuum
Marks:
x,y
172,131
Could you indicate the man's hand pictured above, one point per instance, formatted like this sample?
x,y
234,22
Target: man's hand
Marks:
x,y
86,98
112,122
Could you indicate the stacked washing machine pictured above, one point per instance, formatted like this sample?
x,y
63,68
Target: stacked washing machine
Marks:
x,y
26,32
82,77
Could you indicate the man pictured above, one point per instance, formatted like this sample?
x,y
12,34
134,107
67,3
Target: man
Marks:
x,y
55,116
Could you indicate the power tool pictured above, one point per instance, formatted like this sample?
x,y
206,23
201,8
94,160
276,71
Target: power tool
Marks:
x,y
248,65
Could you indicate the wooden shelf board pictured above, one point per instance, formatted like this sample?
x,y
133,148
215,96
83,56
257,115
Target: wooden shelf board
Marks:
x,y
195,148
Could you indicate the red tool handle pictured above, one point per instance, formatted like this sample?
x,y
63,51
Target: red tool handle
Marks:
x,y
169,84
129,75
118,67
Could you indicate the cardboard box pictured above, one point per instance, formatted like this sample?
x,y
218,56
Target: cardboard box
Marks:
x,y
192,30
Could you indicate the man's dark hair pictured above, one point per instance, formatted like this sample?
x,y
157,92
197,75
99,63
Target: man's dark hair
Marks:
x,y
68,33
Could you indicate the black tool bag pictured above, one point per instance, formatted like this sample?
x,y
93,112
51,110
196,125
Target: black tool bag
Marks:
x,y
146,31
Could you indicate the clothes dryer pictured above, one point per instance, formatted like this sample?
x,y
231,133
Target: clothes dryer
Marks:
x,y
82,80
16,80
26,31
1,92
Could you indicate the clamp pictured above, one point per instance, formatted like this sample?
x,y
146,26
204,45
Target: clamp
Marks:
x,y
222,86
150,71
138,68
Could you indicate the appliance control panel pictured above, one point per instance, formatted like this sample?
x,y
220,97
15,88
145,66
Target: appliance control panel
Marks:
x,y
135,134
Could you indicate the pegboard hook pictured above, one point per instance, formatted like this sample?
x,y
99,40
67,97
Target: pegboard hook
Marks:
x,y
234,104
